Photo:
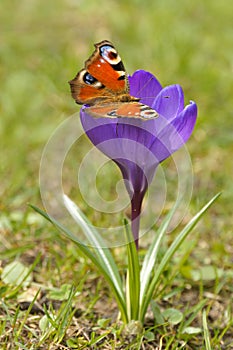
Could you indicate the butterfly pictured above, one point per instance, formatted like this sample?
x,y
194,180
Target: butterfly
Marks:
x,y
103,85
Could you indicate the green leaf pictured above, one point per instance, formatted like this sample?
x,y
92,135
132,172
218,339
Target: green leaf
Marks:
x,y
173,316
193,312
73,343
100,257
17,274
150,336
104,255
151,256
159,319
44,323
206,332
206,273
169,254
62,293
103,322
64,316
133,277
192,330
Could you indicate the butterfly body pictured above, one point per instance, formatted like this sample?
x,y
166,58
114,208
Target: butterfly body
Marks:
x,y
103,85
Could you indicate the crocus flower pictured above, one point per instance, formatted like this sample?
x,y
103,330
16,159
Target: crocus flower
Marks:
x,y
138,146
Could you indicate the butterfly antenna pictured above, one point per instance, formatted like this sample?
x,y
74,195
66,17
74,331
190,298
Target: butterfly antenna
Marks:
x,y
143,87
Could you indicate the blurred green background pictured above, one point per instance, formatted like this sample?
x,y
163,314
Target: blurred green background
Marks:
x,y
44,44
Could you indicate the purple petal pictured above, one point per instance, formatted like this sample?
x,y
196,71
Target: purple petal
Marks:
x,y
174,134
185,121
98,129
170,101
145,86
127,143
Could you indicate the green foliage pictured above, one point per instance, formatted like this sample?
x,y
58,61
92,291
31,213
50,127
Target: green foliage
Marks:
x,y
133,305
206,332
132,279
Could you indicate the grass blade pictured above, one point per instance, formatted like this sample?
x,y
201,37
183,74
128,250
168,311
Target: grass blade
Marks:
x,y
151,255
170,252
94,256
206,332
193,314
104,255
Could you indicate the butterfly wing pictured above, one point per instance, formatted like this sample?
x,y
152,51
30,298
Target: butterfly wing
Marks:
x,y
103,78
106,66
122,110
85,89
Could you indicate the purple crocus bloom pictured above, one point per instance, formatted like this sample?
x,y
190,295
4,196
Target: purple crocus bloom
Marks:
x,y
138,146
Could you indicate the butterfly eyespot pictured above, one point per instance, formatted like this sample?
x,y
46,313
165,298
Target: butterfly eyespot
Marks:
x,y
110,55
148,114
105,50
89,79
102,80
112,113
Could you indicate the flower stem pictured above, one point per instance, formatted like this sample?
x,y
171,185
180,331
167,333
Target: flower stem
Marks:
x,y
136,205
